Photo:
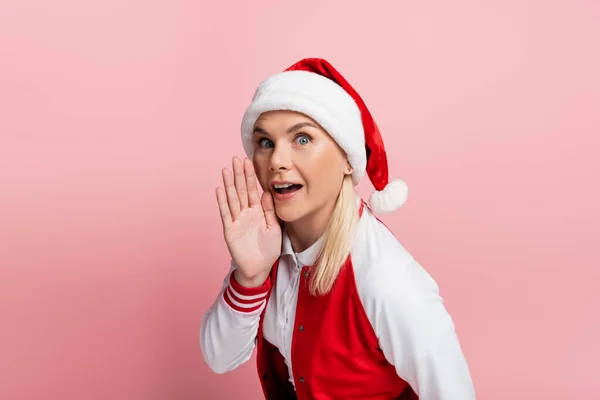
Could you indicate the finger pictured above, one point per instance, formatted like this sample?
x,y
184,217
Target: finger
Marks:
x,y
223,208
240,182
253,196
232,198
269,209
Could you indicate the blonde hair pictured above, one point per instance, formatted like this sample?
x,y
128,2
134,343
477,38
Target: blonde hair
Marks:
x,y
337,240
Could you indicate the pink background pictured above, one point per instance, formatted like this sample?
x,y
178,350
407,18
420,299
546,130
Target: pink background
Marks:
x,y
116,118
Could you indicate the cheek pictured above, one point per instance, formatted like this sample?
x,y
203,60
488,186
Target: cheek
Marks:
x,y
328,161
324,171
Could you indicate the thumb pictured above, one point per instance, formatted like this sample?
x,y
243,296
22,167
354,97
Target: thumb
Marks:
x,y
268,206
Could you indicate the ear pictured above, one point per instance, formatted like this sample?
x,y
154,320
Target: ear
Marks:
x,y
349,169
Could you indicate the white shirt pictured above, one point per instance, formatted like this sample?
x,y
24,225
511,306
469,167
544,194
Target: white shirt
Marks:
x,y
281,308
400,298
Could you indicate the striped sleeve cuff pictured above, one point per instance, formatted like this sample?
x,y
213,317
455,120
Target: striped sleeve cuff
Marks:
x,y
244,299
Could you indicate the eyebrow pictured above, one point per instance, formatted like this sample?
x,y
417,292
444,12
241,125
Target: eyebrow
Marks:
x,y
289,130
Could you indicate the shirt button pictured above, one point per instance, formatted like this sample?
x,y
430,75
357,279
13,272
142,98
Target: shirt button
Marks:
x,y
301,379
306,275
301,328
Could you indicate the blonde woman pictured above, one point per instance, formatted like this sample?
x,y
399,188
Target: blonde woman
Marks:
x,y
334,305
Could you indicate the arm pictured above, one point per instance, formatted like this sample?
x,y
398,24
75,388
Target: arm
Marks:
x,y
417,335
229,327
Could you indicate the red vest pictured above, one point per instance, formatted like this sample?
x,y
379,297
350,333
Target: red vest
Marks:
x,y
335,351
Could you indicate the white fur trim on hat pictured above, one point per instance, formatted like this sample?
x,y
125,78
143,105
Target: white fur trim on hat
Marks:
x,y
390,198
318,98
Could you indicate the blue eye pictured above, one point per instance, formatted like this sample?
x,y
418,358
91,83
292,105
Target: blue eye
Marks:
x,y
303,139
265,143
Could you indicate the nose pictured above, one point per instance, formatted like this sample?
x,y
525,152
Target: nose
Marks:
x,y
281,158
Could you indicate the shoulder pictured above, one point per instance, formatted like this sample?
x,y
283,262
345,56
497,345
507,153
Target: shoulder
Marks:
x,y
402,302
382,265
392,285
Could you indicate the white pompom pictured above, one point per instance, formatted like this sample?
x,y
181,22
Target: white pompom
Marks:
x,y
390,198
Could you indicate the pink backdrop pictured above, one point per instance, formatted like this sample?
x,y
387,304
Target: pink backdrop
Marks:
x,y
116,118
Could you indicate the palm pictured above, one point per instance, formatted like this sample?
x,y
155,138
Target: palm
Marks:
x,y
250,227
252,243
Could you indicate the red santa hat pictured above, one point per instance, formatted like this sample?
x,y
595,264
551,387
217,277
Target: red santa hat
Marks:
x,y
314,88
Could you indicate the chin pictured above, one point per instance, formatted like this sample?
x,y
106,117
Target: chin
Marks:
x,y
288,213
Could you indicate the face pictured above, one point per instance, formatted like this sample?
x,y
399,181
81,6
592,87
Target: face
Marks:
x,y
299,163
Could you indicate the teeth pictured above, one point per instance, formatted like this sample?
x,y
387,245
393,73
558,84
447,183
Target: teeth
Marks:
x,y
285,185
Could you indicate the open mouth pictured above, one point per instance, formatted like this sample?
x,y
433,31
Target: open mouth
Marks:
x,y
287,188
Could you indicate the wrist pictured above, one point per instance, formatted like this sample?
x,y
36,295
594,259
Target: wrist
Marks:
x,y
250,283
246,296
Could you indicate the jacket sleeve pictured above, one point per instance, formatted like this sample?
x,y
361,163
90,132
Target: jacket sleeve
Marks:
x,y
417,334
229,327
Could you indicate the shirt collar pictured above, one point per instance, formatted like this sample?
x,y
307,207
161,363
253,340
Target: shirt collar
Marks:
x,y
309,256
305,258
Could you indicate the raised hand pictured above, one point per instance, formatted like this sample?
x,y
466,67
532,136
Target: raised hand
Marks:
x,y
250,226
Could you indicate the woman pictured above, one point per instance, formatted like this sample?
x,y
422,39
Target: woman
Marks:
x,y
335,306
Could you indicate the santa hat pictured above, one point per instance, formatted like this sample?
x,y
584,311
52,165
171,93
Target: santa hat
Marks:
x,y
314,88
